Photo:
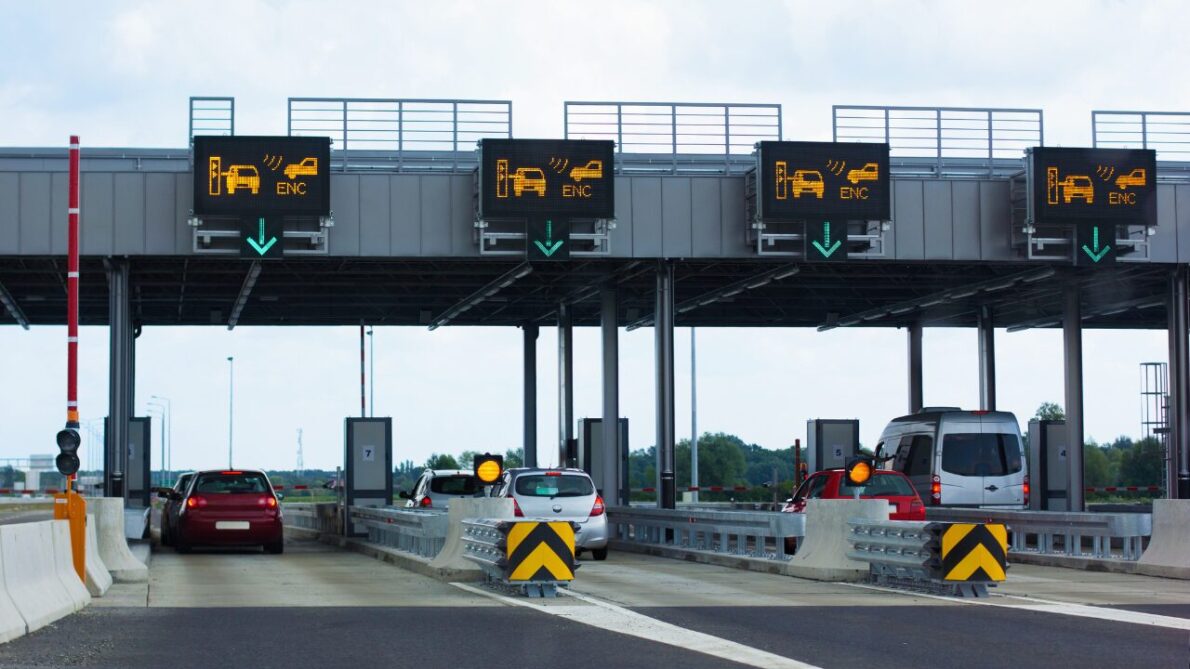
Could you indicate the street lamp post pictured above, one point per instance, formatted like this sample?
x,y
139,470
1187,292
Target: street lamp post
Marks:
x,y
231,370
167,445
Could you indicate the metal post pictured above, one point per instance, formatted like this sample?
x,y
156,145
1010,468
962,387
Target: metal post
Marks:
x,y
363,413
119,411
529,376
663,333
915,388
231,385
613,477
567,457
1072,338
371,374
987,359
693,418
1178,414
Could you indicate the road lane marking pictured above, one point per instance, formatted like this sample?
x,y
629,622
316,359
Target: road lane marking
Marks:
x,y
611,617
1048,606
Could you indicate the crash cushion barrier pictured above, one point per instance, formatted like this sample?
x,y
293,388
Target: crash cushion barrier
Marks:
x,y
113,547
822,555
1168,552
64,565
98,577
31,573
451,555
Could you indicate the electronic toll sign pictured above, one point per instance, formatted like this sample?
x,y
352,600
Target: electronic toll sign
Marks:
x,y
1072,185
262,175
846,181
546,177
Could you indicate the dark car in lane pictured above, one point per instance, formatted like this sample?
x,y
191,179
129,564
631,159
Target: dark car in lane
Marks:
x,y
171,506
226,507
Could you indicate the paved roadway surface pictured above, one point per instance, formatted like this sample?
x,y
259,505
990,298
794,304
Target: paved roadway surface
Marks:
x,y
318,606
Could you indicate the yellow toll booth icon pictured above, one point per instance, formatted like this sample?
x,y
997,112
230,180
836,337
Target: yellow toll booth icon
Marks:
x,y
235,177
799,183
1072,187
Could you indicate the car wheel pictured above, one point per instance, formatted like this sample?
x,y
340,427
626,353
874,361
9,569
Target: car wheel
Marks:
x,y
166,539
600,554
275,548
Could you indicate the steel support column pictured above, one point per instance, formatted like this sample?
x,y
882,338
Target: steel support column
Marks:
x,y
663,329
610,424
120,378
567,455
1179,386
529,376
1072,340
987,359
915,389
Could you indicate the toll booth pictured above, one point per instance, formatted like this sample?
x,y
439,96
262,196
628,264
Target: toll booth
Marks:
x,y
610,474
830,442
368,466
1049,466
137,477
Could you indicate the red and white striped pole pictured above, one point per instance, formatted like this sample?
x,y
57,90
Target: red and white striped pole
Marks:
x,y
72,289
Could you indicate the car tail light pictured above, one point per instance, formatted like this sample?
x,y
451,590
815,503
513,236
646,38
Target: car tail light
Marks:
x,y
231,473
267,500
426,502
553,473
1025,488
516,510
936,491
193,502
597,509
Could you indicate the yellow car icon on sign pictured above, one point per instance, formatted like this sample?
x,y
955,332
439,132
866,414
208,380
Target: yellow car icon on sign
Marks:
x,y
807,181
1077,186
869,172
308,167
592,170
242,176
1134,178
528,179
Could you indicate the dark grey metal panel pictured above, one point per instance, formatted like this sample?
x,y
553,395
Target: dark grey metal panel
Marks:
x,y
462,216
35,213
909,220
939,223
964,210
161,220
675,218
375,219
404,206
733,225
1182,211
435,215
344,237
183,203
706,215
10,213
130,214
1163,246
646,218
621,236
96,223
995,216
59,202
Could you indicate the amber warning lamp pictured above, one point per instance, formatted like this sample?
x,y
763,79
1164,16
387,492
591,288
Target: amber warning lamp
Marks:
x,y
488,468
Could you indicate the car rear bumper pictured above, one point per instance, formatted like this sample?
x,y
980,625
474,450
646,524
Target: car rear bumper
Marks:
x,y
207,531
592,534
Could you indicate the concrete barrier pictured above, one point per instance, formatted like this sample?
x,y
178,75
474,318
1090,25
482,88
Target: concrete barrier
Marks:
x,y
1168,553
64,565
31,574
98,577
822,555
450,559
12,624
113,548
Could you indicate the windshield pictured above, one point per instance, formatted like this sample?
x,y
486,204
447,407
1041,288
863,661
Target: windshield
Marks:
x,y
881,485
453,485
983,454
542,485
231,482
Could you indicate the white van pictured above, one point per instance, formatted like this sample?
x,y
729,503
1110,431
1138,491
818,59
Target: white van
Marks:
x,y
960,458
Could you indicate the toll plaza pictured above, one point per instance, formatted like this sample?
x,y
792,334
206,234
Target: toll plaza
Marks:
x,y
613,226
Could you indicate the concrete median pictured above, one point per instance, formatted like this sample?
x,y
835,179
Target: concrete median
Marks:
x,y
31,574
822,555
64,565
123,566
1168,553
98,577
450,562
12,623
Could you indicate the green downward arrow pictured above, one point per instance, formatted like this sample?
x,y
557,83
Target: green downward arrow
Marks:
x,y
1098,253
550,246
261,247
827,249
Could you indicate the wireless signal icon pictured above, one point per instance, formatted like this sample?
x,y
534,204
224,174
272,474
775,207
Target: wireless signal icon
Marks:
x,y
836,167
273,162
1105,173
559,164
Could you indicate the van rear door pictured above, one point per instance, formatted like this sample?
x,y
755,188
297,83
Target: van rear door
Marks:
x,y
1002,464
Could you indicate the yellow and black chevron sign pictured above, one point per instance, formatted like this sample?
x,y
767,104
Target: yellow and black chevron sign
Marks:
x,y
541,551
974,553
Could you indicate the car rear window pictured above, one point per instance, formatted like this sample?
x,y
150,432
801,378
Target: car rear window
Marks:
x,y
231,482
981,454
881,484
543,485
453,485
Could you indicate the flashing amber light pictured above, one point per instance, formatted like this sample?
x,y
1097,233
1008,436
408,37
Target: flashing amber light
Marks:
x,y
488,470
859,473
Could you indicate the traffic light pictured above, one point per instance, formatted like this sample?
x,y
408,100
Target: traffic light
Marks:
x,y
67,461
488,468
859,470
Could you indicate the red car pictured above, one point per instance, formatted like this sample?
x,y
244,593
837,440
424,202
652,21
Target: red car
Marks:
x,y
229,508
903,500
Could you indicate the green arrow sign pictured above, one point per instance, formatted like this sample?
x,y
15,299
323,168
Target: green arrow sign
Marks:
x,y
1097,254
550,246
262,247
825,241
261,237
546,238
826,248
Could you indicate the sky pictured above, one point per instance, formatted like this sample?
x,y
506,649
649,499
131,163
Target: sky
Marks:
x,y
121,73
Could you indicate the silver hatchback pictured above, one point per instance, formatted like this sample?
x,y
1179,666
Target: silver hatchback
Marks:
x,y
559,494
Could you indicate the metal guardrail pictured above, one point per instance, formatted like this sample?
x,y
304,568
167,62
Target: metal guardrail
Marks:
x,y
421,532
747,533
1062,533
896,549
483,544
322,517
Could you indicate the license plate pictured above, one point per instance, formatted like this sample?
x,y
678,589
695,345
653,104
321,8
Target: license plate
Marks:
x,y
231,524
